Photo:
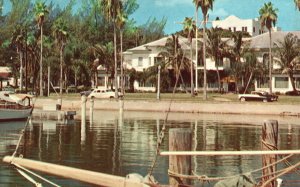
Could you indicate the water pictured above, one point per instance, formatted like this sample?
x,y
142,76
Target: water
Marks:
x,y
121,144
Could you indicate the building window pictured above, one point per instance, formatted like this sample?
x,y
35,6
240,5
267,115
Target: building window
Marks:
x,y
149,63
281,82
246,30
253,29
297,82
234,29
229,28
140,62
158,60
263,82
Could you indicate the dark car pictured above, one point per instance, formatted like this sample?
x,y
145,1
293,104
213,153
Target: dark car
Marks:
x,y
293,93
258,96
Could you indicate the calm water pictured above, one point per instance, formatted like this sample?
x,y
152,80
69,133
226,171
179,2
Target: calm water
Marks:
x,y
121,144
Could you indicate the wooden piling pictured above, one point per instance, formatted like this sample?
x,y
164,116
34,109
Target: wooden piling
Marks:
x,y
91,110
269,142
83,108
180,140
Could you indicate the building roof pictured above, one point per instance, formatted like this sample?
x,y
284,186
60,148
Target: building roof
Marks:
x,y
160,43
262,41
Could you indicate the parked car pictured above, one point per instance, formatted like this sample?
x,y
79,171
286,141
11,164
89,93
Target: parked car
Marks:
x,y
293,93
102,93
258,96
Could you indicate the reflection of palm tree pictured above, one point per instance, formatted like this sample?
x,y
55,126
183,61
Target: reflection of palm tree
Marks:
x,y
189,27
41,10
288,53
268,17
205,6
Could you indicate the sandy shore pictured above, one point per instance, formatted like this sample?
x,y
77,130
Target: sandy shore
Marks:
x,y
182,107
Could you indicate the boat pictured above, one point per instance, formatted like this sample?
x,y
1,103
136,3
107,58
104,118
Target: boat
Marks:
x,y
15,106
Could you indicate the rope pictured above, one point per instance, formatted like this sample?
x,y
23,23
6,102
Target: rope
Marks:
x,y
161,136
205,178
34,174
22,168
29,178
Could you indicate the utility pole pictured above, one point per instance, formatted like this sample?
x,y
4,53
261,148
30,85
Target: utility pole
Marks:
x,y
158,83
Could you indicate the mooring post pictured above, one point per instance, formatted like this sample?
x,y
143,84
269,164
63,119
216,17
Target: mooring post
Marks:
x,y
91,110
180,140
269,142
83,108
83,119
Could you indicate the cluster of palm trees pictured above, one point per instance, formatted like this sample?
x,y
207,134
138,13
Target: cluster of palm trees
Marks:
x,y
35,38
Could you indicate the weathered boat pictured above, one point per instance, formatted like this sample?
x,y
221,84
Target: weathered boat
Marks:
x,y
15,106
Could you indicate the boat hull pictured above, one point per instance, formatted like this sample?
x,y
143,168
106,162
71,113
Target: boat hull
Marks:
x,y
14,114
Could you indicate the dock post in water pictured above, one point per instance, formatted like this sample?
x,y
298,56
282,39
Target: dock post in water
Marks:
x,y
83,119
269,142
83,108
180,140
91,110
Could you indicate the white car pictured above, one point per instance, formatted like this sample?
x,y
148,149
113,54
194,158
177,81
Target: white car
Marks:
x,y
103,93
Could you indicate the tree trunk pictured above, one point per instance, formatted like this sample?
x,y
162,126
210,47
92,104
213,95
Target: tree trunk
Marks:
x,y
61,71
192,70
196,72
248,82
41,64
204,60
291,76
48,85
21,70
115,54
121,56
270,62
219,79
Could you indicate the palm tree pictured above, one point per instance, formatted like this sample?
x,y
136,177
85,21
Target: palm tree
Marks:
x,y
288,54
60,34
297,3
173,56
111,9
18,40
121,21
215,45
205,6
189,28
40,11
268,17
251,66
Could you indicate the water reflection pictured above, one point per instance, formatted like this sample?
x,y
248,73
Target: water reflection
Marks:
x,y
121,142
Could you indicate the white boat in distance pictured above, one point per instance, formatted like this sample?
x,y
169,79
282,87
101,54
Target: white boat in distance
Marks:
x,y
15,106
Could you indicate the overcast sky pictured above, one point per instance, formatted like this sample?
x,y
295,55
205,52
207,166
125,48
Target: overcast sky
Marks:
x,y
176,10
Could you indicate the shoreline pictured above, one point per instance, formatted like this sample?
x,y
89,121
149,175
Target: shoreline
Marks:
x,y
251,108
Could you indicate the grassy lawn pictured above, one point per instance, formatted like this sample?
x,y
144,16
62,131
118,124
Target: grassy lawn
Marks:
x,y
212,97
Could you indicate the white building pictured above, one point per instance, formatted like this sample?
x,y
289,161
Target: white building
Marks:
x,y
234,23
281,83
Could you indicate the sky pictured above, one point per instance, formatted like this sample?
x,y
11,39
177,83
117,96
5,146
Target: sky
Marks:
x,y
176,10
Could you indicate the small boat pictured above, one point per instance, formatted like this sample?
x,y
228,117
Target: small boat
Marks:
x,y
15,106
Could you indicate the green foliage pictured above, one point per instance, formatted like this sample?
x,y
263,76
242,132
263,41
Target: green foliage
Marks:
x,y
89,37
